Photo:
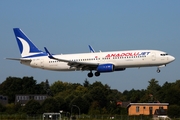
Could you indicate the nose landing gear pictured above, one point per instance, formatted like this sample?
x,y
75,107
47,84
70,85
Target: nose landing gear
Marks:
x,y
158,70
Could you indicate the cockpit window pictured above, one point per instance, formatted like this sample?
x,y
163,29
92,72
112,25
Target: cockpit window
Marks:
x,y
164,54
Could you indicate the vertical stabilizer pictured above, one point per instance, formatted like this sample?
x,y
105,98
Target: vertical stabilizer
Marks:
x,y
26,47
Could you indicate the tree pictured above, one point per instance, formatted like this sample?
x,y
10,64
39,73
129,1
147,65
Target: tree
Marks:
x,y
2,108
50,105
61,104
172,96
32,107
112,107
153,89
98,94
95,108
59,86
47,88
115,95
174,111
163,92
86,83
10,108
82,103
80,90
14,85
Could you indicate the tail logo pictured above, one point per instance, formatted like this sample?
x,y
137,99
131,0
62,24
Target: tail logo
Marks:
x,y
25,49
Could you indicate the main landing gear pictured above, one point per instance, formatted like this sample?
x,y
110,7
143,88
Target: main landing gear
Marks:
x,y
90,74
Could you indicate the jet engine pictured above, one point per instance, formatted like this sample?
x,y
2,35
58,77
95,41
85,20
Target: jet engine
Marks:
x,y
105,68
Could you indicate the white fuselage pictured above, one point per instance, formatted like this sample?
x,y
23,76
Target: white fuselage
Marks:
x,y
120,59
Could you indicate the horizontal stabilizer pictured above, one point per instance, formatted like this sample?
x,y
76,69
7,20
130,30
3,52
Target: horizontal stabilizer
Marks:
x,y
18,59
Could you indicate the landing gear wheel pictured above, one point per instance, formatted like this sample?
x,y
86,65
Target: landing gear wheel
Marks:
x,y
158,70
90,74
97,74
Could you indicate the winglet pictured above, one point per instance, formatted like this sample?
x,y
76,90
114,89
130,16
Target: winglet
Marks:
x,y
91,49
49,54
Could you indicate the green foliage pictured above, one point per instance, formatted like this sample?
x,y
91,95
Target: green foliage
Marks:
x,y
86,83
50,105
26,85
59,86
61,103
95,98
10,108
80,90
94,108
174,111
32,107
2,108
153,89
98,94
82,103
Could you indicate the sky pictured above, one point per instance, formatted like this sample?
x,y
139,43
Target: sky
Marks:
x,y
69,26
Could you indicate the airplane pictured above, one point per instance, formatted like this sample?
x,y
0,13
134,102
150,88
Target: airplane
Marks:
x,y
100,62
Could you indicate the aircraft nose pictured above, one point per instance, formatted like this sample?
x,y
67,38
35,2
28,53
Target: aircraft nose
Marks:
x,y
171,58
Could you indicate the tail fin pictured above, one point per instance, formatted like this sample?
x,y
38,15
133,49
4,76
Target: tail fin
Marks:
x,y
26,47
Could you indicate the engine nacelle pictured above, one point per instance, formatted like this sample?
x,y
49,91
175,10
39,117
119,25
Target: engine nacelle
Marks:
x,y
105,68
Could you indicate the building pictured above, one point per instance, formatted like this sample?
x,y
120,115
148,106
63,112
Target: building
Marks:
x,y
3,100
122,104
23,99
154,109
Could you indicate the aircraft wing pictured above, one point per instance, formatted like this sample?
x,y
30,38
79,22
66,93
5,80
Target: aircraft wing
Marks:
x,y
83,65
78,65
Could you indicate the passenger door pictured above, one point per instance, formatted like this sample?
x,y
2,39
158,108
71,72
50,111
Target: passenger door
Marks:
x,y
153,55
